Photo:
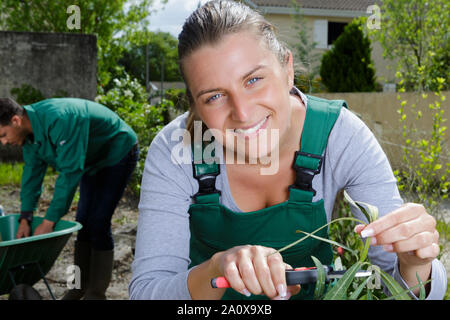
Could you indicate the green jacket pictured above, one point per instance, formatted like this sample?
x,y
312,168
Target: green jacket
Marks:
x,y
75,137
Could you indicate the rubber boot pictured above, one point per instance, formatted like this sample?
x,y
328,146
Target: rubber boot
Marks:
x,y
100,274
82,258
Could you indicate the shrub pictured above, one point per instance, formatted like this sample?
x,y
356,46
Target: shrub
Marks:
x,y
27,94
348,66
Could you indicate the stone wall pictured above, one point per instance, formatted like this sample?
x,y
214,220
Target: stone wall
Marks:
x,y
62,64
50,62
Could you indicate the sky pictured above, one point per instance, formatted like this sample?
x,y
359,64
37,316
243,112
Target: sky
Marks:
x,y
171,16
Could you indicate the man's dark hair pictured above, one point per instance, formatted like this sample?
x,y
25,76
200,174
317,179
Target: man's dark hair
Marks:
x,y
8,109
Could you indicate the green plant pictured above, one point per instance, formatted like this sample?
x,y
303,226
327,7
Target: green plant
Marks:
x,y
179,99
343,231
424,177
307,84
305,52
414,33
348,287
162,54
27,94
348,66
128,99
11,174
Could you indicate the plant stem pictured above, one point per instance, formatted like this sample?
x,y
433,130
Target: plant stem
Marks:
x,y
315,231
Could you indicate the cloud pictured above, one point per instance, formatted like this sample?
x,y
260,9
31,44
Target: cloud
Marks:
x,y
171,16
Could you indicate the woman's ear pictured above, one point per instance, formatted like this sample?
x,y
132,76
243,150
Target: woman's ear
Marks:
x,y
290,68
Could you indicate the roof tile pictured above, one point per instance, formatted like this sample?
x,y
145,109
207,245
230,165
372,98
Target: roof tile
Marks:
x,y
356,5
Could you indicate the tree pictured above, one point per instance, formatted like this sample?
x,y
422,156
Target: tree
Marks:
x,y
348,66
304,48
160,44
415,33
111,21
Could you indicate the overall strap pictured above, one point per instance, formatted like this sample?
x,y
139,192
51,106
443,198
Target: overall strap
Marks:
x,y
205,172
321,114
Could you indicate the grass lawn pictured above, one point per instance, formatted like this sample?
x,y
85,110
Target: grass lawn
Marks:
x,y
10,174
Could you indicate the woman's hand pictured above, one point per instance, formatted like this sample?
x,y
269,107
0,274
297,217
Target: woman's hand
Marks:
x,y
255,270
410,232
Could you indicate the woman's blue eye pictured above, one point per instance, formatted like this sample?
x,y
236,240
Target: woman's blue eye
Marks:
x,y
253,80
214,97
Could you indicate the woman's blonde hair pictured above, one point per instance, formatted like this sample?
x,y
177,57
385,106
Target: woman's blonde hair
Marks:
x,y
209,23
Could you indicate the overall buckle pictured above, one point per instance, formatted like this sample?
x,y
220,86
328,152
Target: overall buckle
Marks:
x,y
305,176
206,183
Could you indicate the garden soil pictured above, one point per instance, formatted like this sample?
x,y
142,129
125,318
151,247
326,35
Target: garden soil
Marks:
x,y
124,226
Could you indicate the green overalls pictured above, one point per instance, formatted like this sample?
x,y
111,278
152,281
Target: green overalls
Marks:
x,y
215,228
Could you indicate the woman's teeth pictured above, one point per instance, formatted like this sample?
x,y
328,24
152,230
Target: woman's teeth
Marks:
x,y
252,129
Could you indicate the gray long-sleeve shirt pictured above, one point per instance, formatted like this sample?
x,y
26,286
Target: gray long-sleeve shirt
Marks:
x,y
354,161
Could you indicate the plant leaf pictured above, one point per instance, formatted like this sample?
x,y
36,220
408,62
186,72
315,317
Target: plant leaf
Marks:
x,y
320,283
422,288
394,288
369,294
406,291
330,241
358,290
365,250
371,212
339,291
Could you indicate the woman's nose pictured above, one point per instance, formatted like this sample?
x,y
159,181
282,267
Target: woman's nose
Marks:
x,y
240,109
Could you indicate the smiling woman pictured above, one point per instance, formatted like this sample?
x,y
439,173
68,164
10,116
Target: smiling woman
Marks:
x,y
244,94
206,219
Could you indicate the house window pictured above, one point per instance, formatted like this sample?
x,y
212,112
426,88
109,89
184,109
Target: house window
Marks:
x,y
326,32
321,33
334,31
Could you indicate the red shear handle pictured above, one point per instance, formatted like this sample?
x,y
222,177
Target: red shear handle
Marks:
x,y
220,282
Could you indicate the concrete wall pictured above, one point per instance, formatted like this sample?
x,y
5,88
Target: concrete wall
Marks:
x,y
53,63
379,111
50,62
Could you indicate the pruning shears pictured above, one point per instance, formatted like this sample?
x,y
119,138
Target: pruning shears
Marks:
x,y
302,275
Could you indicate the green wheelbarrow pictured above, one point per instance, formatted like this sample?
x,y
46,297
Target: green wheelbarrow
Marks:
x,y
27,260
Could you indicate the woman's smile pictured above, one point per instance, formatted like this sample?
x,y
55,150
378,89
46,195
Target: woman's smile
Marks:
x,y
254,130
